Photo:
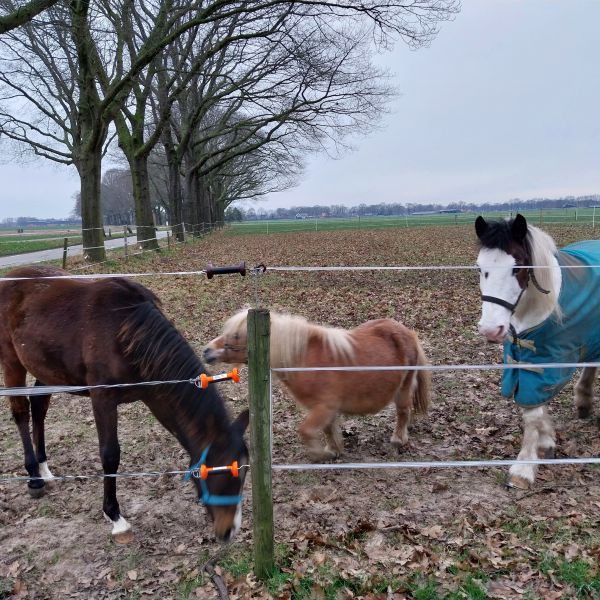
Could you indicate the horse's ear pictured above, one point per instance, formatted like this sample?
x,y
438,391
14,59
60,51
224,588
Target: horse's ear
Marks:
x,y
241,423
519,228
480,226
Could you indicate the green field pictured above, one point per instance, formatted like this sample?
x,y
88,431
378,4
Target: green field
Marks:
x,y
41,239
33,241
584,216
45,239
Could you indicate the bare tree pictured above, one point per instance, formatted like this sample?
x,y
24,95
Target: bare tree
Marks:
x,y
16,14
313,89
117,198
102,72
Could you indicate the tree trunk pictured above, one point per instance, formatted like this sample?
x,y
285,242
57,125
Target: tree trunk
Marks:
x,y
89,168
146,232
202,200
191,193
175,192
92,134
219,213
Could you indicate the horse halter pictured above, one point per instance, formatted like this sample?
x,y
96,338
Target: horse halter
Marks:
x,y
233,347
512,307
200,471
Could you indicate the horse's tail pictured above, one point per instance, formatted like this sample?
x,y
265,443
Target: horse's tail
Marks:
x,y
422,390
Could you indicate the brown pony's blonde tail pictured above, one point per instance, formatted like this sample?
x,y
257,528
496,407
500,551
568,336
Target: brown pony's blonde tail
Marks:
x,y
422,391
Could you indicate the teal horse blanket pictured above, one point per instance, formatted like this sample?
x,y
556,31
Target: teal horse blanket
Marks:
x,y
574,339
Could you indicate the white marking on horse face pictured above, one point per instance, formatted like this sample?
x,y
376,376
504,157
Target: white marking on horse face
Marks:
x,y
120,526
45,472
496,279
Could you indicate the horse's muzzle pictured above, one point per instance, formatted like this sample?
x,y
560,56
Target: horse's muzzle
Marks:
x,y
494,335
209,355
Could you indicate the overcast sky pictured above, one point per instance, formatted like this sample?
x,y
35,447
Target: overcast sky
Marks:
x,y
504,104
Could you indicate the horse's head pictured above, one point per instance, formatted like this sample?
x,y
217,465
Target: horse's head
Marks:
x,y
504,248
232,345
221,490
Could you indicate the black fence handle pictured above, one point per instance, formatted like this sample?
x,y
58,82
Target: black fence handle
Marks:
x,y
212,271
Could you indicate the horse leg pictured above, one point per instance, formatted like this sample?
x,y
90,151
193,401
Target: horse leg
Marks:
x,y
523,476
403,399
14,376
105,414
583,392
547,436
39,408
333,434
317,419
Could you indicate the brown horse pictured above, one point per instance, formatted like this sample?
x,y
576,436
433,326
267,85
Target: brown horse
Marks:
x,y
108,331
297,343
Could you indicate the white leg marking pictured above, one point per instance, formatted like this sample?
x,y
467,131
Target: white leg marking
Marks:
x,y
119,526
547,434
531,419
45,472
237,522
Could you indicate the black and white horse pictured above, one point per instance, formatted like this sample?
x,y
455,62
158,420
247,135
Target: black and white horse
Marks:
x,y
546,314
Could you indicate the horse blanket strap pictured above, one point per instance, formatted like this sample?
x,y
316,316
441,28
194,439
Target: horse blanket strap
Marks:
x,y
573,338
207,498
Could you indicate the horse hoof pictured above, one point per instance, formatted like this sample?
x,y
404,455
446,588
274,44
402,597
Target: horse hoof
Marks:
x,y
546,453
400,446
331,453
36,493
322,456
584,412
519,483
123,537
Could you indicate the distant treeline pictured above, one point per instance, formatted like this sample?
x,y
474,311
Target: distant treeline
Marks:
x,y
395,209
35,222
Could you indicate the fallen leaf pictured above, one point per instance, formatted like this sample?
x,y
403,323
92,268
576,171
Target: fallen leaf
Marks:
x,y
434,532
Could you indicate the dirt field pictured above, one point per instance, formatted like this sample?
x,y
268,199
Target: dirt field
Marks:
x,y
422,534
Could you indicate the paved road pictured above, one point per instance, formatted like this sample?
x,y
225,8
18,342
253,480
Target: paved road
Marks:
x,y
56,253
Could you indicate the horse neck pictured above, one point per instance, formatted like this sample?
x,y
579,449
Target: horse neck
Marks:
x,y
535,306
195,417
158,352
289,339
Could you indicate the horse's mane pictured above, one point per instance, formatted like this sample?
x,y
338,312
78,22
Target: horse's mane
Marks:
x,y
543,253
290,335
161,353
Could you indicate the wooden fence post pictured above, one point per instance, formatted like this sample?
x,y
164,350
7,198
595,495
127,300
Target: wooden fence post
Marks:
x,y
64,262
259,326
125,238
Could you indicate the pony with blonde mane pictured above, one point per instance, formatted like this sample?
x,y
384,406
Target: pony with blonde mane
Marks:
x,y
542,304
297,343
